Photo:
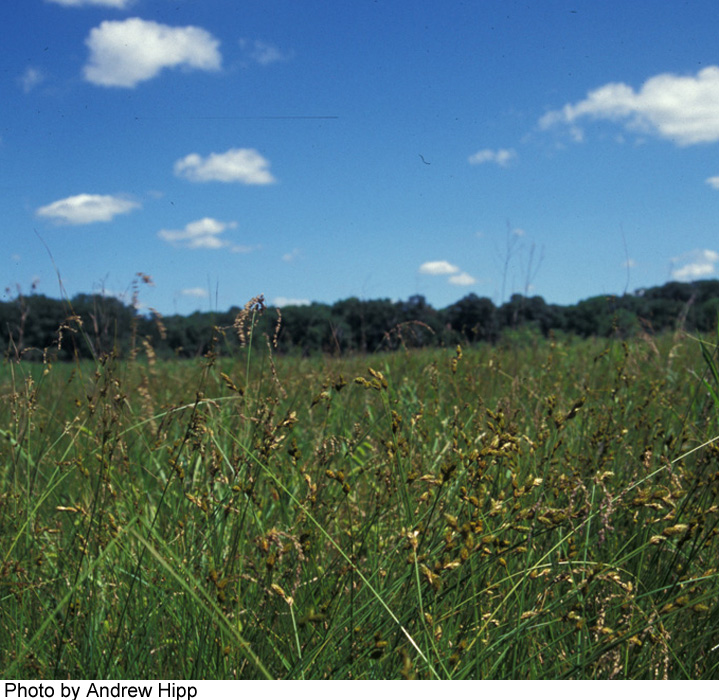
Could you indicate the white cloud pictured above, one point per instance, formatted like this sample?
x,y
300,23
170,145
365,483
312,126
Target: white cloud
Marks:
x,y
438,267
245,249
123,54
86,209
119,4
287,301
291,256
501,157
203,233
442,267
243,165
697,264
462,279
713,182
684,109
31,78
264,53
576,134
196,292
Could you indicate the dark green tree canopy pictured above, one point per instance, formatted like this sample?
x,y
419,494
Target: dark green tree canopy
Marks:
x,y
92,325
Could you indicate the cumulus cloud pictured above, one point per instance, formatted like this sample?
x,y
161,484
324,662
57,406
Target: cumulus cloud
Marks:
x,y
123,54
452,272
696,264
263,53
203,233
684,109
501,157
713,182
438,267
31,78
288,301
87,209
243,165
462,279
119,4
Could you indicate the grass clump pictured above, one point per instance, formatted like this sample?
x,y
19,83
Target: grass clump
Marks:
x,y
543,511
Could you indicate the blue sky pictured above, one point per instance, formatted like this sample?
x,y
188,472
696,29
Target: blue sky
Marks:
x,y
313,150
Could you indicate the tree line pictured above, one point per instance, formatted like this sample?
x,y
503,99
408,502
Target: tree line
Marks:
x,y
91,325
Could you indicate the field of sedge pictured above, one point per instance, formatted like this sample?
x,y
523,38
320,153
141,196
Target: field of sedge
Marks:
x,y
542,508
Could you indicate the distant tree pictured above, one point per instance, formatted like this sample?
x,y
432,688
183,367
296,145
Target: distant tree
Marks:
x,y
534,311
107,323
593,316
474,318
707,315
189,336
418,324
91,324
307,328
367,321
381,318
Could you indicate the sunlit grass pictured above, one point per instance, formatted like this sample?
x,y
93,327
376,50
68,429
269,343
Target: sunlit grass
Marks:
x,y
543,509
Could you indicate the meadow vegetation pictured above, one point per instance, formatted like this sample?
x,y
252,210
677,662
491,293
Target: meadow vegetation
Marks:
x,y
536,508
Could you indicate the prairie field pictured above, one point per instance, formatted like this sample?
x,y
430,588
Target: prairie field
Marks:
x,y
539,508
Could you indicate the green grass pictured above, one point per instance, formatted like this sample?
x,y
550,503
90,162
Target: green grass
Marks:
x,y
543,510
